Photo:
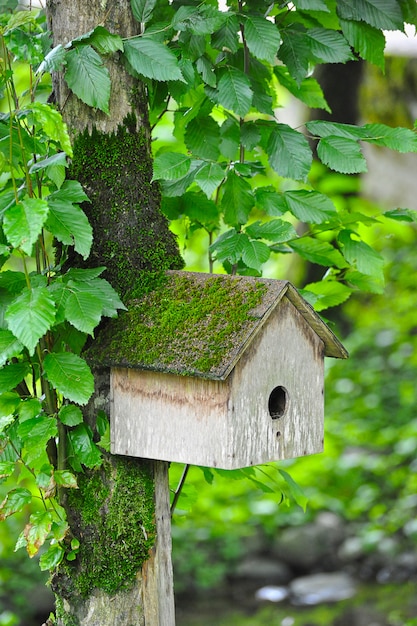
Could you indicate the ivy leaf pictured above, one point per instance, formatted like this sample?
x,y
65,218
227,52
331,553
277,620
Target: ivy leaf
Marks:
x,y
367,41
209,177
83,447
263,38
329,46
382,14
70,375
237,200
234,91
142,10
255,254
316,251
277,231
70,415
342,155
9,346
14,502
310,206
152,59
31,315
51,557
170,166
37,531
289,153
88,78
11,375
23,222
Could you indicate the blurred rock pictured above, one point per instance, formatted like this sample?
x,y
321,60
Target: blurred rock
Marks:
x,y
271,593
318,588
312,546
263,571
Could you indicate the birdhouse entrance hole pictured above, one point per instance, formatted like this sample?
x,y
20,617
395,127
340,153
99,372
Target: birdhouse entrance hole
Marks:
x,y
278,401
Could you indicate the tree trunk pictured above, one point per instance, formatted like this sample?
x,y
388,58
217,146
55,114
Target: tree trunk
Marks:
x,y
120,513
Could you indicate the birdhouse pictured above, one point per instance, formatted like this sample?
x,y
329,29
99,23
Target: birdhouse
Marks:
x,y
220,371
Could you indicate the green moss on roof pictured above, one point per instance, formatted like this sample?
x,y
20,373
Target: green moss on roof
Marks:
x,y
194,324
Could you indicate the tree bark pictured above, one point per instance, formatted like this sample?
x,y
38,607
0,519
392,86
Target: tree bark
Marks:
x,y
120,513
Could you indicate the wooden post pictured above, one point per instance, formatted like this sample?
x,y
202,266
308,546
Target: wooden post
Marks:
x,y
157,576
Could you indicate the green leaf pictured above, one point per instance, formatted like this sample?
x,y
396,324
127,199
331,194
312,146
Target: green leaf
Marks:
x,y
402,215
51,122
37,531
270,201
319,128
367,41
152,59
5,420
31,315
295,52
9,402
23,223
70,375
68,222
382,14
202,138
277,231
103,41
289,153
53,61
342,155
209,177
234,91
226,38
6,469
295,490
310,206
9,346
312,5
142,9
88,78
399,139
51,557
367,260
66,479
37,431
308,90
206,70
316,251
56,160
11,375
170,166
83,447
331,293
229,246
70,415
200,210
83,310
262,38
31,407
255,254
329,46
237,200
14,502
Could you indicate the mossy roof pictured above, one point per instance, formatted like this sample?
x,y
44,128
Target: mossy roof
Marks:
x,y
199,324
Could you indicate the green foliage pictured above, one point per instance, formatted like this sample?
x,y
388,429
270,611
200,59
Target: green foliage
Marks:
x,y
45,314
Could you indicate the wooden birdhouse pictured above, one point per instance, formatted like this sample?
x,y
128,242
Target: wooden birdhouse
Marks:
x,y
218,371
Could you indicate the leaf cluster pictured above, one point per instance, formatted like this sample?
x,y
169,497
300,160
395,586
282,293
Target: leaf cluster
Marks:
x,y
46,314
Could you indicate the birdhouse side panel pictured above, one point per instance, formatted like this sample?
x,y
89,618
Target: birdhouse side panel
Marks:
x,y
168,417
278,384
